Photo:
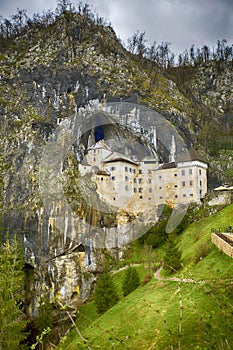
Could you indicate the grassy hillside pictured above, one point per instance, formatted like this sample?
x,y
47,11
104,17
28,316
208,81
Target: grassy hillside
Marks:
x,y
170,314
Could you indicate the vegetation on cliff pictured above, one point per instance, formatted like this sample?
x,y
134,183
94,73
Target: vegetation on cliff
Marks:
x,y
191,311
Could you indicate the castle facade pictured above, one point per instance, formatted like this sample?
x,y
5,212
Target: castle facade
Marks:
x,y
134,185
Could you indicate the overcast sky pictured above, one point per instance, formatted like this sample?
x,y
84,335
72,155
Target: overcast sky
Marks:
x,y
180,22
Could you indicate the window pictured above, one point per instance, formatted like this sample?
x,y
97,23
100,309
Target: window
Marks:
x,y
94,151
191,183
135,190
140,190
182,172
126,178
160,177
139,181
190,171
160,188
126,168
140,171
184,195
191,194
130,170
175,186
160,197
94,159
141,197
176,196
200,183
183,183
114,198
175,174
150,181
149,171
135,180
127,188
149,199
134,171
113,177
150,190
102,179
113,168
199,171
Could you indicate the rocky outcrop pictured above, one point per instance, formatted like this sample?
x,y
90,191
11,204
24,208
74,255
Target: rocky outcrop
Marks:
x,y
61,87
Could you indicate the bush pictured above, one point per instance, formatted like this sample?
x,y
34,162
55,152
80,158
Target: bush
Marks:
x,y
202,250
146,279
131,281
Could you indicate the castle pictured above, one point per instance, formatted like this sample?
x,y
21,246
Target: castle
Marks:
x,y
134,185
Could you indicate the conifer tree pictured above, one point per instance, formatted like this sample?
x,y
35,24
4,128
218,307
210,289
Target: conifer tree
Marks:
x,y
12,322
105,294
172,259
131,281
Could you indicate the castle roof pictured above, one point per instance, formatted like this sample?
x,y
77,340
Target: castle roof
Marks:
x,y
118,157
98,145
170,165
149,160
191,155
103,172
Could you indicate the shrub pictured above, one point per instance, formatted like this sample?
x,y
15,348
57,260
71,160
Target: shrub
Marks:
x,y
146,279
202,250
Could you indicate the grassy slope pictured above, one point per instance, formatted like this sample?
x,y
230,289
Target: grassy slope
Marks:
x,y
171,315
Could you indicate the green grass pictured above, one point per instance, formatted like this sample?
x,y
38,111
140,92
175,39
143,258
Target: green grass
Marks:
x,y
166,314
216,264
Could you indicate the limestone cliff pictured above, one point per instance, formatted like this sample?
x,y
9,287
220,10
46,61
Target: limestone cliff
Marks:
x,y
51,78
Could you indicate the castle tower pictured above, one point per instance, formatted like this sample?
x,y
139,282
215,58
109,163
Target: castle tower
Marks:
x,y
172,154
91,139
154,137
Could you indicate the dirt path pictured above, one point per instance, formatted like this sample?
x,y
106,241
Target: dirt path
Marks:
x,y
124,268
175,279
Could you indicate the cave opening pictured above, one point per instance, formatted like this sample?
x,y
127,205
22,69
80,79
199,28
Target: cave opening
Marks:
x,y
99,133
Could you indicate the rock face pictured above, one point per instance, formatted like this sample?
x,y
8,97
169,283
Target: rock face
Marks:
x,y
60,90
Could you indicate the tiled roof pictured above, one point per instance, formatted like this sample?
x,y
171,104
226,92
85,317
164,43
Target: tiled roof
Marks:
x,y
99,144
168,165
103,172
118,157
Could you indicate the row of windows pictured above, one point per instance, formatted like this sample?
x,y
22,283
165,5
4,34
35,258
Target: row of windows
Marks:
x,y
130,170
140,181
191,183
190,172
113,168
176,196
183,172
127,188
134,171
183,183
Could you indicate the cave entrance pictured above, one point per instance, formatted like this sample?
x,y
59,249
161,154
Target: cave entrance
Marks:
x,y
100,121
99,133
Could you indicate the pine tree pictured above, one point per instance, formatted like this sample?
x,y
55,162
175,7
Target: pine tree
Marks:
x,y
131,281
12,322
105,294
172,259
